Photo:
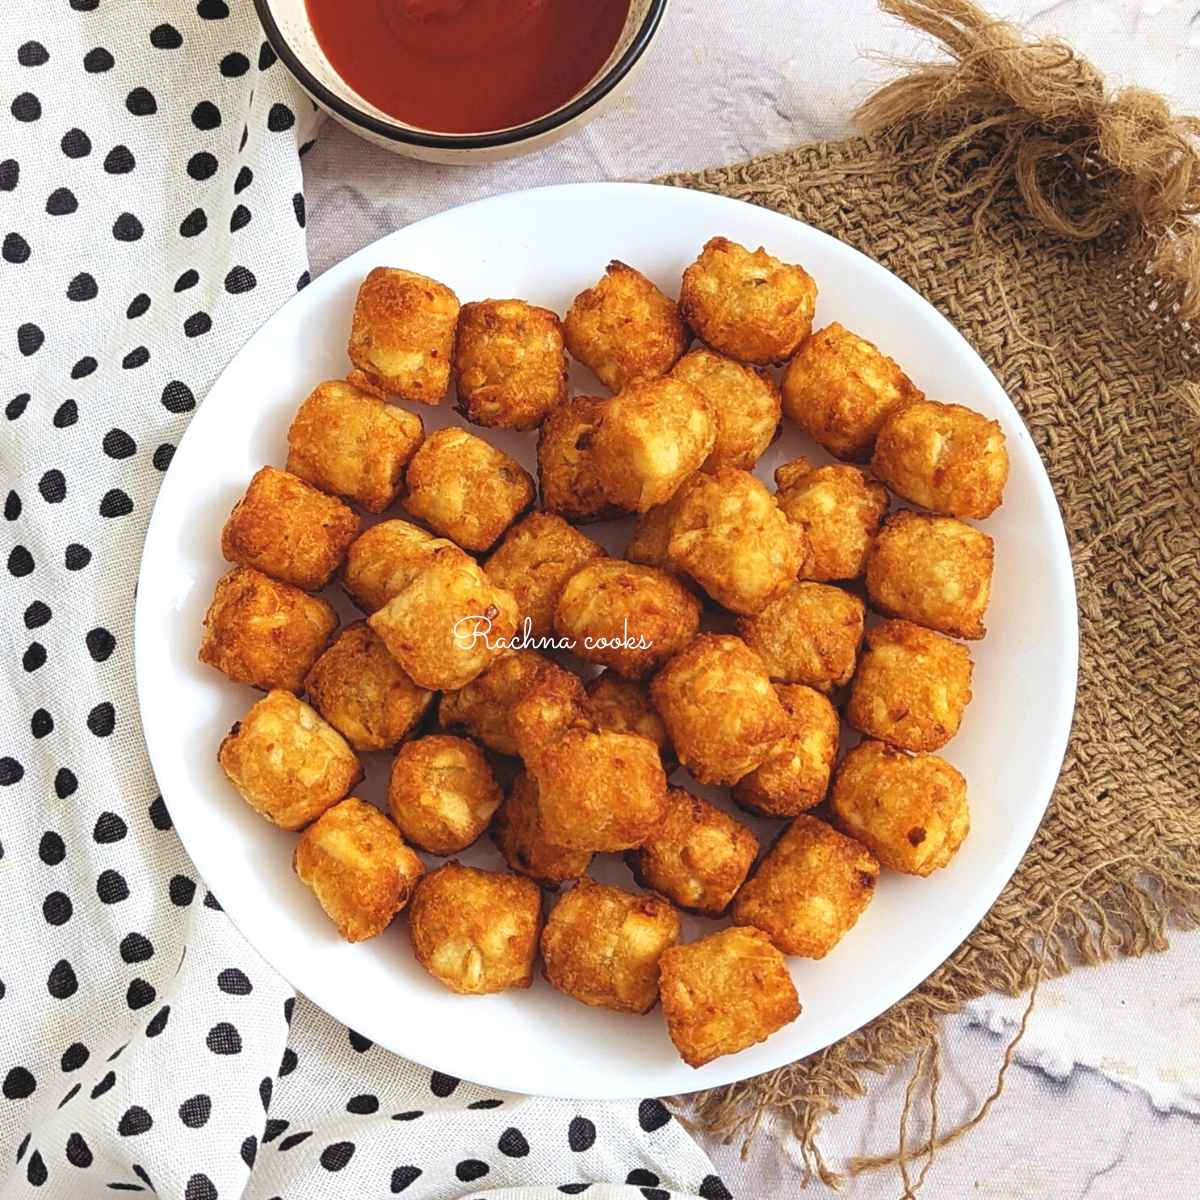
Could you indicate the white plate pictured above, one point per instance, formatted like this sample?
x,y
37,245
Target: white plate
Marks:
x,y
545,246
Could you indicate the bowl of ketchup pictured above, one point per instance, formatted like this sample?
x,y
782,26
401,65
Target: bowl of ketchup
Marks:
x,y
456,81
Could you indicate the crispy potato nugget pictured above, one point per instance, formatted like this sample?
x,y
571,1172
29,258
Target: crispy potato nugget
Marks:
x,y
465,489
287,763
724,993
475,931
910,811
358,867
567,478
287,529
552,702
383,560
625,329
745,402
534,562
810,635
361,690
263,632
651,537
697,856
601,946
838,509
625,616
623,706
933,571
448,625
442,793
730,535
484,706
944,457
721,712
840,388
794,776
650,438
517,832
746,304
346,441
810,889
911,687
402,336
510,366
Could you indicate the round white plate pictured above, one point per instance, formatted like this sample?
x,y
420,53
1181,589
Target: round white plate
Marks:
x,y
545,246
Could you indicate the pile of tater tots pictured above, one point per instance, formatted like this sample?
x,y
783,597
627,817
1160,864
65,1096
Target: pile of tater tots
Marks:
x,y
723,644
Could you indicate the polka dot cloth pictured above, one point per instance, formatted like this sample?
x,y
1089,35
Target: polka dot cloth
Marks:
x,y
151,216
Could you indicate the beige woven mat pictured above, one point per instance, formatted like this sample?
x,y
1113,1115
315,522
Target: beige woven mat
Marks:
x,y
969,164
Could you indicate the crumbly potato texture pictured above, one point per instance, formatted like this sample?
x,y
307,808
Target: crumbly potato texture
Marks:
x,y
623,706
517,832
483,707
568,481
383,560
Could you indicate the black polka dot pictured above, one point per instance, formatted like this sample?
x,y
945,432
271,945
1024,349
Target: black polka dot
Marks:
x,y
223,1038
402,1177
51,849
234,64
74,1056
178,398
29,338
196,1110
245,177
127,228
358,1042
53,486
484,1104
182,890
139,994
141,102
18,1084
36,1172
26,107
289,1007
141,1174
165,37
195,223
299,209
134,1121
188,279
210,901
512,1143
234,982
83,287
76,557
138,306
711,1188
57,908
104,1085
574,1189
363,1105
306,147
197,324
212,10
159,817
15,249
411,1115
65,783
249,1150
34,657
581,1134
115,503
244,138
295,1139
32,54
652,1115
76,144
158,1022
16,406
111,887
41,724
206,115
102,719
471,1169
72,1092
117,1052
20,562
280,118
266,56
139,356
335,1157
119,161
273,1128
111,828
202,165
442,1085
265,1087
98,60
84,367
117,444
162,456
37,615
78,1152
100,644
61,202
61,982
12,506
640,1177
240,279
288,1063
239,218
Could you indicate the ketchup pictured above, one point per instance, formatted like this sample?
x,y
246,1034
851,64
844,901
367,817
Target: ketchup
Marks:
x,y
467,66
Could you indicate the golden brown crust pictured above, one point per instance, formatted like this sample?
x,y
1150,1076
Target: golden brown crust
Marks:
x,y
383,560
484,706
552,702
567,479
517,832
623,706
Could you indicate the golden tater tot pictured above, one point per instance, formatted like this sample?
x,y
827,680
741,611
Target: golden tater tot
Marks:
x,y
484,706
517,832
838,509
719,707
794,776
810,889
442,793
383,560
910,811
510,366
650,438
933,571
567,478
810,635
840,388
601,946
625,616
651,537
534,561
724,993
289,530
345,441
911,687
945,457
361,690
358,867
475,931
402,336
263,632
730,535
287,763
745,403
625,329
697,856
552,702
465,489
623,706
747,305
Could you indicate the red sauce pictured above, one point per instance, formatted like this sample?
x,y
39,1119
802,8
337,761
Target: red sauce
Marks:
x,y
467,66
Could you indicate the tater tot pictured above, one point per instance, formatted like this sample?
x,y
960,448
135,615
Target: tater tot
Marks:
x,y
724,993
747,305
650,438
933,571
911,687
745,403
794,776
517,832
483,707
625,329
358,867
909,810
402,336
345,441
623,706
945,457
697,856
719,707
625,616
475,931
465,489
383,560
840,388
651,538
534,561
567,478
289,530
263,632
510,365
810,635
839,510
287,763
601,946
552,701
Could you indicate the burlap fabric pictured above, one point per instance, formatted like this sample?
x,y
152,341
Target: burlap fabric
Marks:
x,y
1091,344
